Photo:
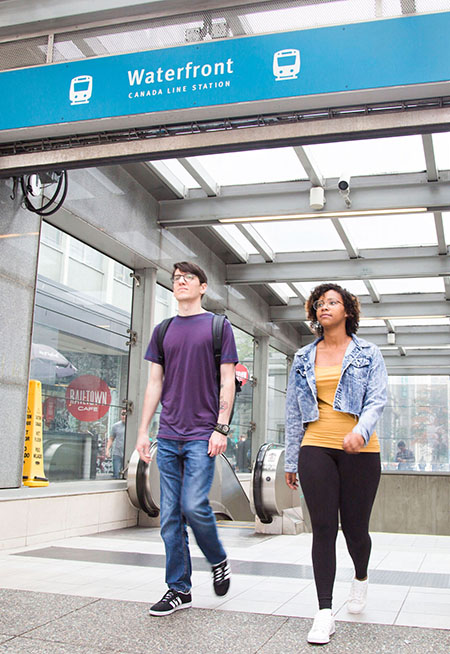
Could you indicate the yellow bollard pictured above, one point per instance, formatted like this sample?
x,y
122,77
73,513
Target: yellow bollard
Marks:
x,y
33,458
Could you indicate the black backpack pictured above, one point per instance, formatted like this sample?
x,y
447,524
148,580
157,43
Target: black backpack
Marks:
x,y
218,322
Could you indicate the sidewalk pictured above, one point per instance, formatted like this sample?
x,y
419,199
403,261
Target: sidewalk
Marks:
x,y
90,594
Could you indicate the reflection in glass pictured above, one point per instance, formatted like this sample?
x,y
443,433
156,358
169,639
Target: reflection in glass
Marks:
x,y
416,415
278,370
79,354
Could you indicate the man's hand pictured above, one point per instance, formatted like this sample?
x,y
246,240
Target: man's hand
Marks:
x,y
143,447
217,444
353,443
291,480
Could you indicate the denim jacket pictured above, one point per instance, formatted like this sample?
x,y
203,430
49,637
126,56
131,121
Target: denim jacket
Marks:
x,y
361,391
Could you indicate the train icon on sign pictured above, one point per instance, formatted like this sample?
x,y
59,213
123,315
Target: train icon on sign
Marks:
x,y
80,89
286,64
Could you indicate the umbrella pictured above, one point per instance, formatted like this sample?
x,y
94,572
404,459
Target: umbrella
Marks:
x,y
48,365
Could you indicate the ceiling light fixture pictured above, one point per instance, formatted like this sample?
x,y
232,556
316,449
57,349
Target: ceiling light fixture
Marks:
x,y
324,214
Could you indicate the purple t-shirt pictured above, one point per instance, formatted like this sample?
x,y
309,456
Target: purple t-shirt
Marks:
x,y
190,396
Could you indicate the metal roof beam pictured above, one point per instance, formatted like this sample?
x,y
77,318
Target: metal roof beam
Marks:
x,y
430,159
258,242
437,362
429,337
302,296
442,353
282,297
372,291
167,177
317,270
239,25
351,248
380,311
447,287
310,166
439,224
293,198
201,176
222,234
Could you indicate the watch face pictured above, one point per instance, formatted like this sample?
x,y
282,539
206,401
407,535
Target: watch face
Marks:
x,y
223,429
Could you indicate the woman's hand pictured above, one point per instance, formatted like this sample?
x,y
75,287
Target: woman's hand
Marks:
x,y
291,480
353,443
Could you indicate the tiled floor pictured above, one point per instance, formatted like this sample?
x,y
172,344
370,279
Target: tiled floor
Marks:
x,y
271,574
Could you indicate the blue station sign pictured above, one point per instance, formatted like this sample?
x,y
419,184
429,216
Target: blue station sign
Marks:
x,y
378,54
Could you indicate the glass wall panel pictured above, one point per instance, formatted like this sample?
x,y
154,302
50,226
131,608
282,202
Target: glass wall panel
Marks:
x,y
278,370
414,428
239,450
80,356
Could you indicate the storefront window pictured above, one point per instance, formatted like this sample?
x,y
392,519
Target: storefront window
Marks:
x,y
277,395
80,356
414,428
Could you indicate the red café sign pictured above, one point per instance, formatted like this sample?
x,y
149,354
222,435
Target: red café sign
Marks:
x,y
88,398
242,373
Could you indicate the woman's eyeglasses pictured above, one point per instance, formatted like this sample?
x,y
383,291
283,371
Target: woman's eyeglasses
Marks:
x,y
320,304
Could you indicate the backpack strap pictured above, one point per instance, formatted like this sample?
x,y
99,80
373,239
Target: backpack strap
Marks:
x,y
163,327
218,322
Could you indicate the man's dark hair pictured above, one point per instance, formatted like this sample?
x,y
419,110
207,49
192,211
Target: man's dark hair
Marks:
x,y
351,306
190,267
401,444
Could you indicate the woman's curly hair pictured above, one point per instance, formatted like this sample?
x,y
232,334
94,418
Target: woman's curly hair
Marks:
x,y
351,306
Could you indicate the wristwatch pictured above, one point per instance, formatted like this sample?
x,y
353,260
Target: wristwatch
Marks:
x,y
222,429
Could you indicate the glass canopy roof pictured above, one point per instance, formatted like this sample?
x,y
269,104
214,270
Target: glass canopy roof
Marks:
x,y
412,303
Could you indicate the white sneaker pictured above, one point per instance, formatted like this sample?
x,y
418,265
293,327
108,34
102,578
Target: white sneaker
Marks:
x,y
323,627
358,596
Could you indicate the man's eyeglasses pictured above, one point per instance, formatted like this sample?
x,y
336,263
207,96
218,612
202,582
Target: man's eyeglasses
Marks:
x,y
319,304
186,277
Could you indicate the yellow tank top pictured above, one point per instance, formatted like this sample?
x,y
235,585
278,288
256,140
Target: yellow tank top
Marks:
x,y
331,427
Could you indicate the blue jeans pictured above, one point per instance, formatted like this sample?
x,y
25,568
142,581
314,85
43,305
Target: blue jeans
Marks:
x,y
186,474
117,466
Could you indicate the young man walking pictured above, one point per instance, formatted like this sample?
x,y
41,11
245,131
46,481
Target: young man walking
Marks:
x,y
193,430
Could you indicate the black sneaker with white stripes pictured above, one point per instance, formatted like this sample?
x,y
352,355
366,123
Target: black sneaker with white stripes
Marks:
x,y
170,602
221,577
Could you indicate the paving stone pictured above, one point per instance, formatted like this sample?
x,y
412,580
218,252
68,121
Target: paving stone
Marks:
x,y
126,626
22,610
351,637
18,645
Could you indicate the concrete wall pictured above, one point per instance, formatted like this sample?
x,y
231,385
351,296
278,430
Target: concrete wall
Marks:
x,y
19,243
412,504
32,516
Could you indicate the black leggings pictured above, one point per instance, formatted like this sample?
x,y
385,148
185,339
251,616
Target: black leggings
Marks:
x,y
333,481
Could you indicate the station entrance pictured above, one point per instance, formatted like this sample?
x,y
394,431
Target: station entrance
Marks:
x,y
270,203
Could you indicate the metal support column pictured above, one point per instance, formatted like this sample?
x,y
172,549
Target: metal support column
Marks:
x,y
260,393
142,321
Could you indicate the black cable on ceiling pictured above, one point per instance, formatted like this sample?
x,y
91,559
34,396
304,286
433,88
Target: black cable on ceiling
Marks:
x,y
47,209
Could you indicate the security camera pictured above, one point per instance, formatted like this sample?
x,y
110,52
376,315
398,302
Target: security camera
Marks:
x,y
344,182
34,186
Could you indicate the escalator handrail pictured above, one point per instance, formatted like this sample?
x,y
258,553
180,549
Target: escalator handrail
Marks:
x,y
257,484
144,499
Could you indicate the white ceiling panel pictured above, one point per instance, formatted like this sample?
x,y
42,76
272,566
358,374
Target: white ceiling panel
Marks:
x,y
300,235
391,231
399,154
254,167
416,285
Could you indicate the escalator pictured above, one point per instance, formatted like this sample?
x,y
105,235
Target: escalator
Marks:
x,y
269,496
